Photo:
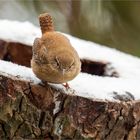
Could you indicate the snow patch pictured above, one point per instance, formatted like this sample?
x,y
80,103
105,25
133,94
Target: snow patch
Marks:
x,y
23,72
86,85
23,32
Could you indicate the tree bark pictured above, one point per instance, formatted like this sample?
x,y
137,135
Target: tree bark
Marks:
x,y
30,110
37,111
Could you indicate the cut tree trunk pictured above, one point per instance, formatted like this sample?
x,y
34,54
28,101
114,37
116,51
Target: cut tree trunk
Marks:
x,y
37,111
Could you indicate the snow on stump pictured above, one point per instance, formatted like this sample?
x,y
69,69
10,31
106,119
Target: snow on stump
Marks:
x,y
102,103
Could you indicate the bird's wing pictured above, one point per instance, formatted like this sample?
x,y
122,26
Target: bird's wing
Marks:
x,y
39,50
36,46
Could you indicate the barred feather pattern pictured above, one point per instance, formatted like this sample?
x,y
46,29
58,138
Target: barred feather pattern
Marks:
x,y
46,23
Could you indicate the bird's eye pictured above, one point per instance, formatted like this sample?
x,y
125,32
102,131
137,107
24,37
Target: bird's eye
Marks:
x,y
57,62
71,65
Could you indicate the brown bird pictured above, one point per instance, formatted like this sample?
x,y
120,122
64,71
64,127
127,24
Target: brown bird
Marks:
x,y
54,59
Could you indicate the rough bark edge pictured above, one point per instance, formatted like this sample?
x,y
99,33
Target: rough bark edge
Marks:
x,y
35,111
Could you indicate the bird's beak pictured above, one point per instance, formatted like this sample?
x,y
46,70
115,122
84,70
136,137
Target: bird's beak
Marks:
x,y
63,71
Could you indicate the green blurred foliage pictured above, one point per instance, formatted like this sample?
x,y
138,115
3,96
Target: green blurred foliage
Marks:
x,y
115,23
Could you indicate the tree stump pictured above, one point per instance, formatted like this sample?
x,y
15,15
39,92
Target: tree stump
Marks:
x,y
31,110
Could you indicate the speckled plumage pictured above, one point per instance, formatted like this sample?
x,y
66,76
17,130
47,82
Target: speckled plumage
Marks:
x,y
54,59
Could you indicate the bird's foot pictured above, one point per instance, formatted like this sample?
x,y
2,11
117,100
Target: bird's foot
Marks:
x,y
70,91
66,85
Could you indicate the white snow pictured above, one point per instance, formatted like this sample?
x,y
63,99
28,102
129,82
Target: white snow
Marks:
x,y
23,72
85,85
23,32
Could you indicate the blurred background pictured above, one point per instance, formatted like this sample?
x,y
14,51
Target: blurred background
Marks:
x,y
114,23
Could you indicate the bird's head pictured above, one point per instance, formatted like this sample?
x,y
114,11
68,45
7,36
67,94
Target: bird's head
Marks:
x,y
63,62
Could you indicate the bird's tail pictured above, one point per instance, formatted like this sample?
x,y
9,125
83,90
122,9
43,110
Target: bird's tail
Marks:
x,y
46,23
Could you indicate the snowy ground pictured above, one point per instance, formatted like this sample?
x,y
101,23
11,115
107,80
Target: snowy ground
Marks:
x,y
85,85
